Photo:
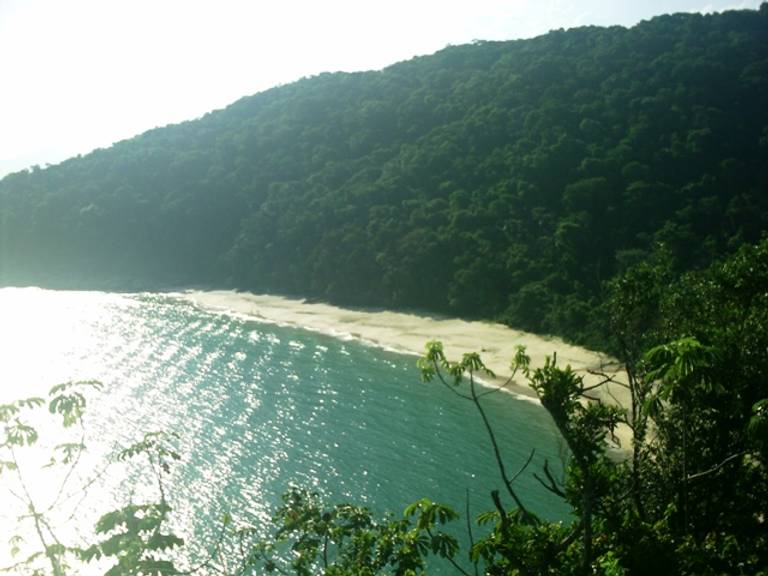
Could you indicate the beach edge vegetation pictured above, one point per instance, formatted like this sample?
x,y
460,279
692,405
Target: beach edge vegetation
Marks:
x,y
687,499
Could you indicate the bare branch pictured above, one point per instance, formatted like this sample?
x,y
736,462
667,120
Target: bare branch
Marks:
x,y
524,466
469,529
497,452
72,468
613,397
568,540
552,485
715,468
83,492
607,379
500,509
506,383
445,383
209,561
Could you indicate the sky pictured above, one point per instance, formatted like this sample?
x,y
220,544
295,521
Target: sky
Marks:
x,y
76,75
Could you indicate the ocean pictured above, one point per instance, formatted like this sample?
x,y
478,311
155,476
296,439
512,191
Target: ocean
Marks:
x,y
256,408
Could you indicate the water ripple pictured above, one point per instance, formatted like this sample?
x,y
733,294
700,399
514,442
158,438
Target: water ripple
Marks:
x,y
258,408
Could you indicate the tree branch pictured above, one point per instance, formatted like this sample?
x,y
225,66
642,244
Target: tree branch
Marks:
x,y
716,467
551,484
469,530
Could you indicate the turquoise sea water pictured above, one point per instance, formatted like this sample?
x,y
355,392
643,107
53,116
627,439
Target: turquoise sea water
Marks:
x,y
257,408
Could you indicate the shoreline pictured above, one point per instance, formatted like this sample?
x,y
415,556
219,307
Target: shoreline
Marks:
x,y
408,333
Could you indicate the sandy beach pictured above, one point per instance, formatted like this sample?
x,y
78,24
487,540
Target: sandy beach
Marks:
x,y
408,333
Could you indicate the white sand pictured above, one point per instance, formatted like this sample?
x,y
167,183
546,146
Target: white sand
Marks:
x,y
409,333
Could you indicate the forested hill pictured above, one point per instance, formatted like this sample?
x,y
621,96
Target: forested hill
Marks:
x,y
499,179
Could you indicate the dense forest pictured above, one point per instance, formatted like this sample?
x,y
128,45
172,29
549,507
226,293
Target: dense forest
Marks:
x,y
605,184
507,180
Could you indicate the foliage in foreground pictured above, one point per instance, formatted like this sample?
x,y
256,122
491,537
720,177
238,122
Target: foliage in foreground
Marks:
x,y
689,500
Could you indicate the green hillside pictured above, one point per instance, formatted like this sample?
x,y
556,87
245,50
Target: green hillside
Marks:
x,y
510,180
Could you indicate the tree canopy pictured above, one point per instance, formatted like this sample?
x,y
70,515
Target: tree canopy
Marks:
x,y
508,180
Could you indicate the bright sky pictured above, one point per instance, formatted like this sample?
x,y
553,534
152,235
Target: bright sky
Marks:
x,y
82,74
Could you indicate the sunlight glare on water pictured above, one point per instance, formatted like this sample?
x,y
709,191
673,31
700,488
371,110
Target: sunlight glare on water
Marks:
x,y
257,408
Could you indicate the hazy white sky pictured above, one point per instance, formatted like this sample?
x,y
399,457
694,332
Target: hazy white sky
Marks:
x,y
81,74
